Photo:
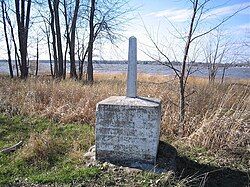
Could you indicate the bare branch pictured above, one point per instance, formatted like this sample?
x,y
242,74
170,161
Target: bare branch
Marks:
x,y
161,52
218,25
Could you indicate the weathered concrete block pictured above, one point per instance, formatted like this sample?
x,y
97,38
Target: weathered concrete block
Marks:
x,y
128,129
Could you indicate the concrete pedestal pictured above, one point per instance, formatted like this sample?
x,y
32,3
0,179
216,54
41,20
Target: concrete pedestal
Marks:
x,y
128,129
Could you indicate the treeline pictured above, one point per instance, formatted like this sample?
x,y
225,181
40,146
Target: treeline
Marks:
x,y
69,28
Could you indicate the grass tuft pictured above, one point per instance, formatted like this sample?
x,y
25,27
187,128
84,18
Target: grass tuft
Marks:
x,y
43,150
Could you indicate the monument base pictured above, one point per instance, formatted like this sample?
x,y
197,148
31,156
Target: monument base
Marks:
x,y
128,129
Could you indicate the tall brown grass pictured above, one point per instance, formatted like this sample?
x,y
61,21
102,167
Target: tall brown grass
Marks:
x,y
217,115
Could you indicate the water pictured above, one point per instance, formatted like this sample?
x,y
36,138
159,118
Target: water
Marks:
x,y
232,72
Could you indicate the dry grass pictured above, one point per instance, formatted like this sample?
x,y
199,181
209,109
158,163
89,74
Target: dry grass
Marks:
x,y
42,149
217,115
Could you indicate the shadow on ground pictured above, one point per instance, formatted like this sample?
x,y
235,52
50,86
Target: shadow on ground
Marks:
x,y
202,174
215,176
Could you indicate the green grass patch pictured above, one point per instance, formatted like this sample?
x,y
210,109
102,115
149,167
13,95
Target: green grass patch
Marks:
x,y
17,128
51,152
66,175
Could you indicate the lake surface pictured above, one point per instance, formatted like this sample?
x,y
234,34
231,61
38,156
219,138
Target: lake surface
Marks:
x,y
233,72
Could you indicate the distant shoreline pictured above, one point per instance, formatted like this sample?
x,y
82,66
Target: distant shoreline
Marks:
x,y
175,63
242,72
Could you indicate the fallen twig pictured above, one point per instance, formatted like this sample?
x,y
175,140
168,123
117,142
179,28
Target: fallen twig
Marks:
x,y
12,148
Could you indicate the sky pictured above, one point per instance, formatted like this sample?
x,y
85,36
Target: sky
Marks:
x,y
163,21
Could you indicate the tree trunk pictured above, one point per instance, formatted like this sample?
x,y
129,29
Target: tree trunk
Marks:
x,y
72,42
49,49
16,63
58,38
50,61
37,57
183,77
90,77
52,26
17,58
214,67
223,75
81,64
67,39
182,107
6,38
65,61
23,28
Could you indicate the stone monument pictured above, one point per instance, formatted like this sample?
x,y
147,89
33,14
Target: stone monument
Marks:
x,y
128,127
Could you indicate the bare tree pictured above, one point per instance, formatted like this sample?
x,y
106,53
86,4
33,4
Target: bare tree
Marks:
x,y
72,40
46,31
71,35
57,9
54,42
81,19
105,20
37,56
221,53
198,10
4,13
67,33
231,55
22,11
90,77
56,38
214,53
17,57
81,53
